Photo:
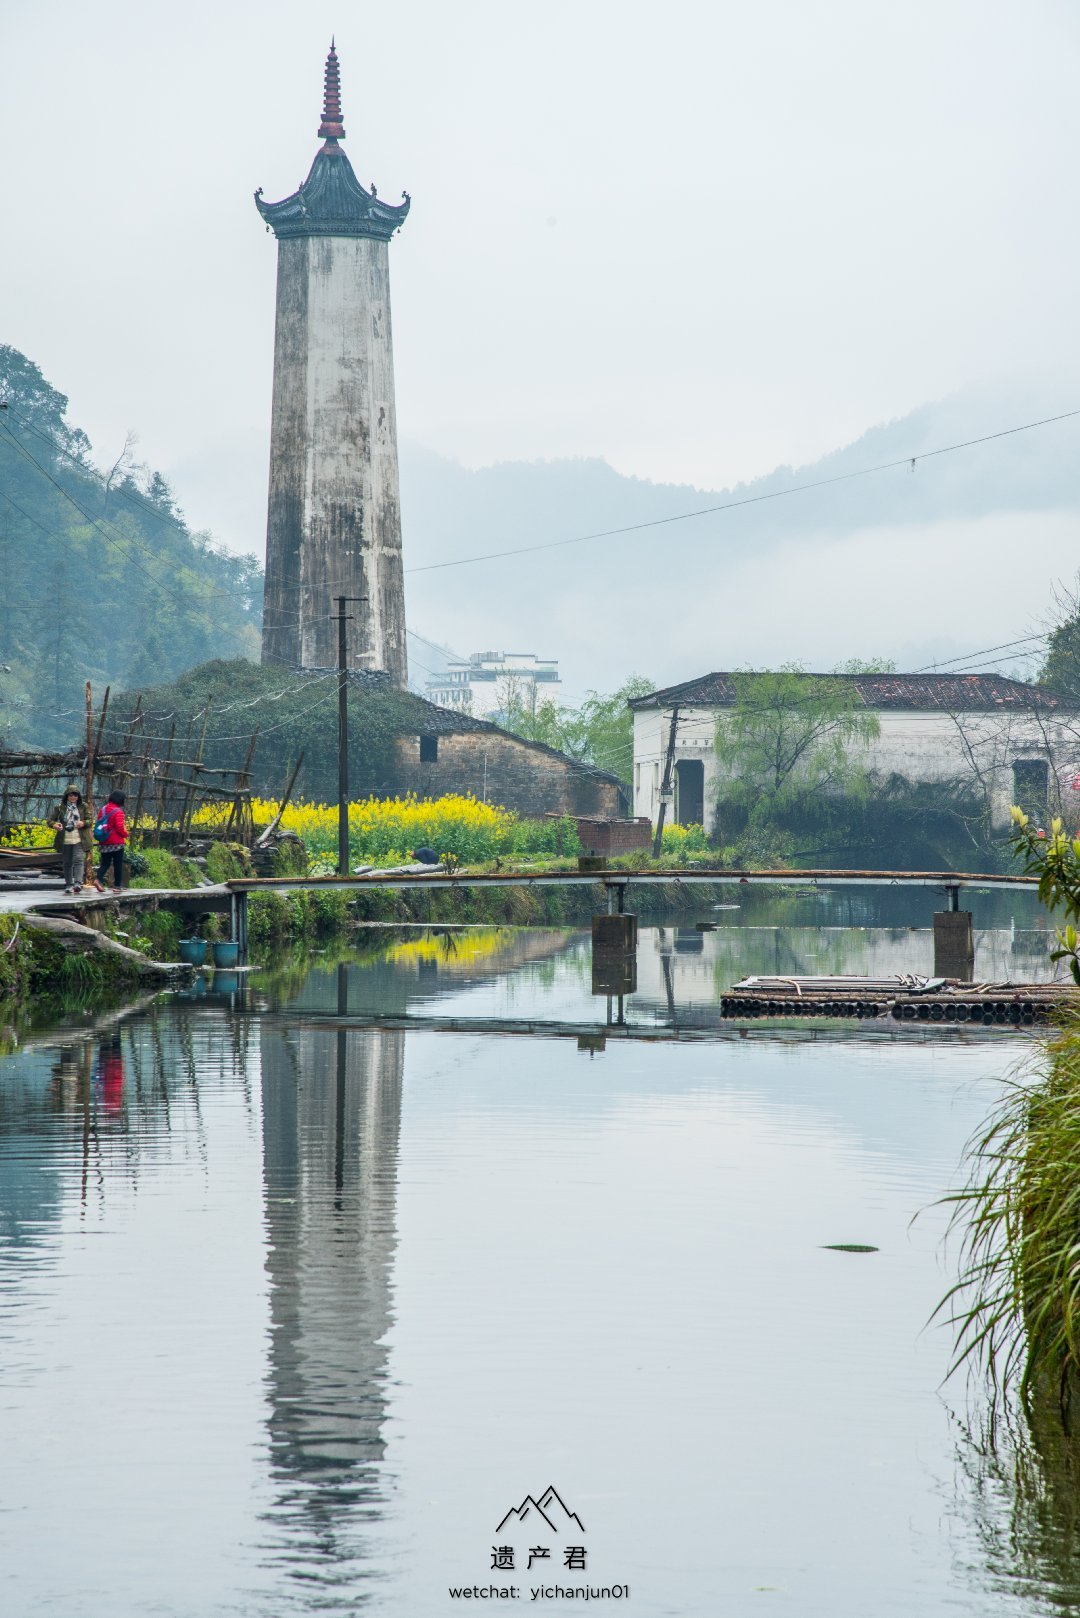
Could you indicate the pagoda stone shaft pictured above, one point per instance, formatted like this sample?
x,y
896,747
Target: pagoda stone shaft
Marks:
x,y
334,518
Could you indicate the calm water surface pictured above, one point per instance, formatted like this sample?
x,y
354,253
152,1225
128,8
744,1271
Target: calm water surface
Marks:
x,y
294,1309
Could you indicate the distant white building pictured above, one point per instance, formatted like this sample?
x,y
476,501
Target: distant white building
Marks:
x,y
1016,743
494,684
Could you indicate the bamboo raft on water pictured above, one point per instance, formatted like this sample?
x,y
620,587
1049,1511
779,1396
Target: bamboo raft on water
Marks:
x,y
906,998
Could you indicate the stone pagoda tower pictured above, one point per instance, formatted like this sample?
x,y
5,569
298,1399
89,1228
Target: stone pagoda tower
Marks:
x,y
334,519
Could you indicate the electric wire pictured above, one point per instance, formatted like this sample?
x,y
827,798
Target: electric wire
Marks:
x,y
746,500
134,497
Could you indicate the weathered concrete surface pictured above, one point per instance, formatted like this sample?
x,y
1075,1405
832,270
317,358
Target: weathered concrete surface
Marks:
x,y
49,896
334,517
954,945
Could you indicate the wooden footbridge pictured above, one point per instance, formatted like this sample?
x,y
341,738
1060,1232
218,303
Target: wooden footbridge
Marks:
x,y
617,884
44,895
614,966
621,878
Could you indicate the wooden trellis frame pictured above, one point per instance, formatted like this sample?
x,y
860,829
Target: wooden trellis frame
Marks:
x,y
170,789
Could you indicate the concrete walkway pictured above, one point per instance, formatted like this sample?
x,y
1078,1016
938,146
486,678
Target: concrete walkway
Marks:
x,y
47,895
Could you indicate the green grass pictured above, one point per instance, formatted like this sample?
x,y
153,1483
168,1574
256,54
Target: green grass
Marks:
x,y
158,868
1015,1308
227,860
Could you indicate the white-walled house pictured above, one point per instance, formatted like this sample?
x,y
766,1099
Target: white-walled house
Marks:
x,y
1018,742
492,684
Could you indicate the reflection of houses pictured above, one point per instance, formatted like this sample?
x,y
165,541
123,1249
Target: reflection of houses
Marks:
x,y
1013,742
682,972
331,1116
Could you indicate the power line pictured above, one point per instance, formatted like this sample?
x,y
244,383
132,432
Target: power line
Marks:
x,y
966,657
747,500
243,735
447,651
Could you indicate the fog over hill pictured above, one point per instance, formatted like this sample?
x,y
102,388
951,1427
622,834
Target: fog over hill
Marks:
x,y
959,553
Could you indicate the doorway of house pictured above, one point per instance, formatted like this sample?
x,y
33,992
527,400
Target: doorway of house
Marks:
x,y
690,792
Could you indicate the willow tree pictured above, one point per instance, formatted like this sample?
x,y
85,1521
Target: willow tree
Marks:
x,y
792,740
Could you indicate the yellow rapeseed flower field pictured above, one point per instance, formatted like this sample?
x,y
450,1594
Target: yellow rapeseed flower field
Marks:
x,y
386,830
452,951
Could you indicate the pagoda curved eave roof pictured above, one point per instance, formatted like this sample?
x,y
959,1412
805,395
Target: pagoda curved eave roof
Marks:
x,y
332,202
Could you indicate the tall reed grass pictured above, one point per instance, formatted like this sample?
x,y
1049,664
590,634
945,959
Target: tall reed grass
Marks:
x,y
1015,1308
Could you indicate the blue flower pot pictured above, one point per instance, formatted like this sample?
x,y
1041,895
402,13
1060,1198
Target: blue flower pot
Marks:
x,y
227,953
193,951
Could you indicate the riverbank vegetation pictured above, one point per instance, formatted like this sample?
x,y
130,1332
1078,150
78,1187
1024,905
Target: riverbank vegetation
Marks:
x,y
1016,1305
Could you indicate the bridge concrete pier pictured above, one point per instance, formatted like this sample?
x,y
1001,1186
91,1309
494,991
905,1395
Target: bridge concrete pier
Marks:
x,y
614,955
954,940
954,945
238,918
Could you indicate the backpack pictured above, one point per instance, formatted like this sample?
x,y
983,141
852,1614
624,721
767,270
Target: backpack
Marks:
x,y
101,825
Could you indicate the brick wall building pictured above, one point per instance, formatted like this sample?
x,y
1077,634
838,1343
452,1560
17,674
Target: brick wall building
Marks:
x,y
457,753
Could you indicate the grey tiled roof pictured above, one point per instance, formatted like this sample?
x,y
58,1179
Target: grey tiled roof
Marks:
x,y
955,693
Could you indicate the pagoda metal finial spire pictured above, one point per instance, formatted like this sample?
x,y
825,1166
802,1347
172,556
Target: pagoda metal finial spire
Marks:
x,y
332,129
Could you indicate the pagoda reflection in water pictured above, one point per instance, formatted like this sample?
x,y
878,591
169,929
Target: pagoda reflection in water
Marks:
x,y
331,1119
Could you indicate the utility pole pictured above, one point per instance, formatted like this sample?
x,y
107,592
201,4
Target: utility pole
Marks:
x,y
343,732
665,785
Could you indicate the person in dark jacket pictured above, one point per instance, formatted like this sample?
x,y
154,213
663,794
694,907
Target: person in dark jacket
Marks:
x,y
113,844
72,838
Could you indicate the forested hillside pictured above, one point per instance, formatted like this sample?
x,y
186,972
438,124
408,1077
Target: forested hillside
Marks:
x,y
100,576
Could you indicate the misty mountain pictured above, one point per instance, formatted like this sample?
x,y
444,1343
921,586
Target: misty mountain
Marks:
x,y
451,511
850,564
961,553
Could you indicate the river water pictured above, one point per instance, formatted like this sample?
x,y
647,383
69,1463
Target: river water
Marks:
x,y
294,1309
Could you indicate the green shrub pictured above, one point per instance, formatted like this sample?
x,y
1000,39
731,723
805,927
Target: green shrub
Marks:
x,y
328,911
159,935
224,861
289,858
270,919
158,868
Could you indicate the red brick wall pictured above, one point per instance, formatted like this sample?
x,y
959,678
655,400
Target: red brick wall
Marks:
x,y
614,836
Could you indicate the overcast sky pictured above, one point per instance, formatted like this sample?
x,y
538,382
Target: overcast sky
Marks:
x,y
697,240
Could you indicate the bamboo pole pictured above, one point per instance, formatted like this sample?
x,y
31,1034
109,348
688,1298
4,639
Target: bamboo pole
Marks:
x,y
89,792
161,787
144,766
92,766
186,807
241,784
123,774
264,837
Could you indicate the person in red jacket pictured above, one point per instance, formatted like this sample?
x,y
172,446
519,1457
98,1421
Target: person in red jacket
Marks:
x,y
112,846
